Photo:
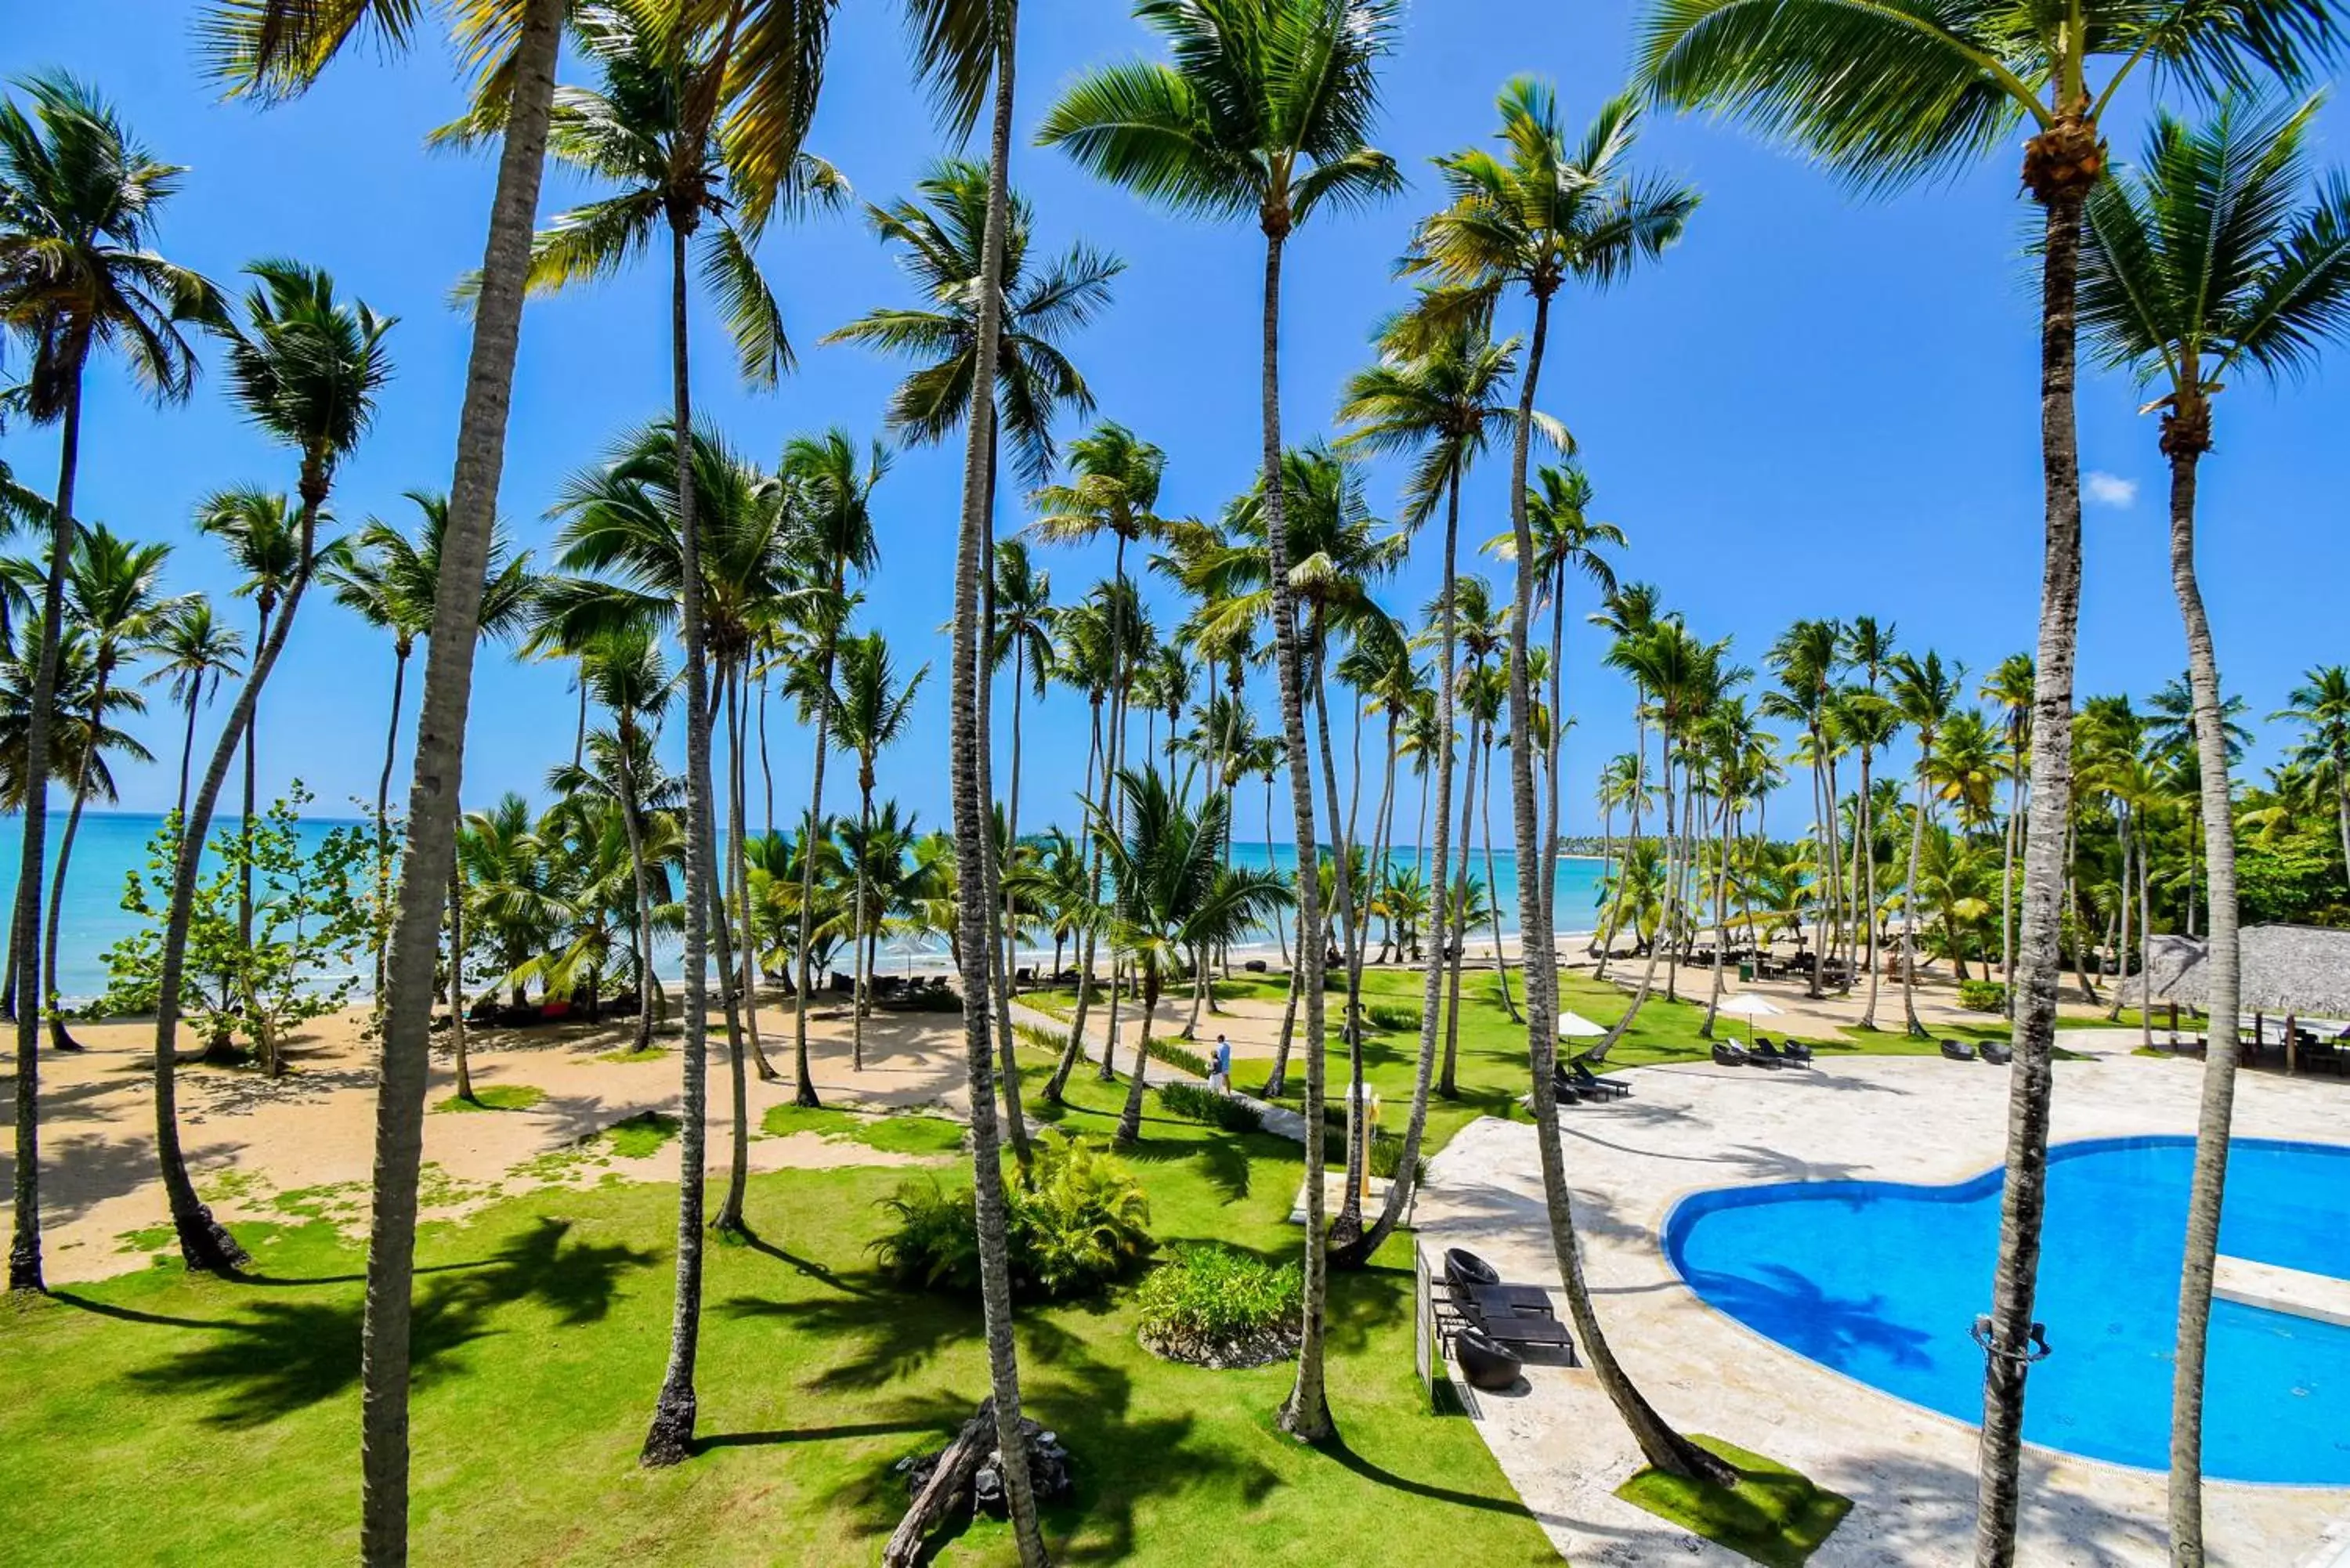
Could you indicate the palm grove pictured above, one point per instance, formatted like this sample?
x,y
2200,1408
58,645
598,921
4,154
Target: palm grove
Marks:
x,y
700,596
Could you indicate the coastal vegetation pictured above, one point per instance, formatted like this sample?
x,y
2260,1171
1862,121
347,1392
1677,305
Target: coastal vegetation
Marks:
x,y
713,603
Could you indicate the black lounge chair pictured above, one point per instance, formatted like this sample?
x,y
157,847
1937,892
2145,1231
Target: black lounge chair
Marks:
x,y
1255,966
1997,1053
1958,1050
1463,1269
1764,1051
1484,1361
1732,1055
1590,1084
1796,1050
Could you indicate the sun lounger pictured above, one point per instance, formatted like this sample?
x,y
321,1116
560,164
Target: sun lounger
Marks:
x,y
1484,1362
1997,1053
1730,1055
1590,1085
1796,1050
1958,1050
1764,1051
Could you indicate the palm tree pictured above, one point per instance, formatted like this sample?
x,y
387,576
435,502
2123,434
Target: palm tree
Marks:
x,y
943,252
620,522
2009,687
307,367
2320,706
2220,251
390,581
939,235
1924,693
195,652
963,48
261,533
1023,634
277,49
1113,488
114,600
1888,96
1804,658
622,668
1173,898
870,709
1546,214
78,203
1566,538
1441,402
1265,114
837,539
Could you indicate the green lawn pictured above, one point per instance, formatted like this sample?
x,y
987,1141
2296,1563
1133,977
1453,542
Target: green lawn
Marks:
x,y
157,1417
1771,1515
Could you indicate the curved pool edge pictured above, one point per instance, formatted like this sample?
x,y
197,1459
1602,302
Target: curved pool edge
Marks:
x,y
1683,1209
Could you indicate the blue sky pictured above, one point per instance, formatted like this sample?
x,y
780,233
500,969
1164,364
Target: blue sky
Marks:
x,y
1815,406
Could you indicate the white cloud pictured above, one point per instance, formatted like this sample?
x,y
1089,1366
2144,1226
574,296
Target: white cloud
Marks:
x,y
2111,490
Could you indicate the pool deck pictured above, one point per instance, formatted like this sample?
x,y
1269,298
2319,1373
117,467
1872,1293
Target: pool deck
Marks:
x,y
1909,1471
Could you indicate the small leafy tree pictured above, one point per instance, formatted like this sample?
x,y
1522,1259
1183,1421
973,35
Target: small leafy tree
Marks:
x,y
312,916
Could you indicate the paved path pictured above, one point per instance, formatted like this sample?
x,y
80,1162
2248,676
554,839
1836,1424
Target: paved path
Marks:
x,y
1909,1471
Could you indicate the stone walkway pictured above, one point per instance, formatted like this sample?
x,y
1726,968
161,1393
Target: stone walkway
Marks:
x,y
1909,1471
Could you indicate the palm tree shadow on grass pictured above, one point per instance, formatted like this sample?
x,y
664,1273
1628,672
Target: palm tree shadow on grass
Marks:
x,y
882,1337
282,1355
1223,1162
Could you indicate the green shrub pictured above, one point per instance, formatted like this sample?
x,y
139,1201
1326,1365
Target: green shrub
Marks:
x,y
1082,1224
1206,1105
1393,1017
1982,995
1386,1151
1208,1302
1181,1056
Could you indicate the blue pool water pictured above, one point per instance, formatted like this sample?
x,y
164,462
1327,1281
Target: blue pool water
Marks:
x,y
1882,1282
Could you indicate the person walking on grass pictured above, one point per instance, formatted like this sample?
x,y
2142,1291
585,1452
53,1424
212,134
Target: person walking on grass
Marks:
x,y
1220,1067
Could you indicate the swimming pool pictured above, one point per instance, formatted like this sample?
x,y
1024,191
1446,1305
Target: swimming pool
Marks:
x,y
1882,1282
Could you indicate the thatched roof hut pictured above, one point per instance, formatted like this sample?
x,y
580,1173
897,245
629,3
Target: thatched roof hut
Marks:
x,y
2303,970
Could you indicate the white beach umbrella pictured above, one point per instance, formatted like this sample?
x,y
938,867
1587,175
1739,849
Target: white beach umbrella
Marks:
x,y
1573,1025
1750,1005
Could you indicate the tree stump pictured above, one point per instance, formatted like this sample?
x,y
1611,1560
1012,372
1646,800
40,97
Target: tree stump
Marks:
x,y
949,1479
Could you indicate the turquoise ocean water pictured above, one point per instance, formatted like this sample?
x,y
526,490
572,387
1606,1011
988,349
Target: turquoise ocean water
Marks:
x,y
112,845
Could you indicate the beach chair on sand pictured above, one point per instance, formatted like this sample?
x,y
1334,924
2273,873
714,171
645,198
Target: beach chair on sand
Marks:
x,y
1958,1050
1733,1055
1997,1053
1765,1051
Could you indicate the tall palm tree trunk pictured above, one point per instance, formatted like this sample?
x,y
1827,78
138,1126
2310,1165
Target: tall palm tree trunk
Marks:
x,y
1349,1223
668,1436
187,755
1664,1447
1433,972
1455,953
857,925
1130,1115
970,814
1864,840
25,1245
2214,1118
383,820
2066,159
244,818
1910,899
1494,882
433,800
2007,877
1073,1049
732,1000
647,995
457,977
1552,751
738,854
805,1094
999,921
1306,1414
60,1037
202,1241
